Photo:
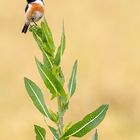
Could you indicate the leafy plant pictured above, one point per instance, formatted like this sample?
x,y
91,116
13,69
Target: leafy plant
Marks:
x,y
53,77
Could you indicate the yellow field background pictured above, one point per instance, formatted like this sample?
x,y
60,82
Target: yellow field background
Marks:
x,y
104,35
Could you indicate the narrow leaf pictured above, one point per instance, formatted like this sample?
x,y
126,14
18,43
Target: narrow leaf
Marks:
x,y
68,126
37,97
54,115
63,40
58,56
89,122
48,60
47,53
66,138
51,82
54,132
72,81
48,35
36,29
61,49
95,137
42,45
40,133
60,76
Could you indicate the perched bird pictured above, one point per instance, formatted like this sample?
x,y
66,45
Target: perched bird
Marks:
x,y
34,11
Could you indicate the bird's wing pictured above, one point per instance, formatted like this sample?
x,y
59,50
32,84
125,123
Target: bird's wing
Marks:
x,y
26,8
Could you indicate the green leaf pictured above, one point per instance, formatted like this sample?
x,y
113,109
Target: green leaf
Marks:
x,y
60,76
89,122
66,138
37,97
48,35
61,49
48,60
40,133
47,53
36,29
51,82
58,56
54,132
72,81
64,107
54,115
95,137
41,44
68,126
63,40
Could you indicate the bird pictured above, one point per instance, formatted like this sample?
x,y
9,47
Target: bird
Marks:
x,y
34,11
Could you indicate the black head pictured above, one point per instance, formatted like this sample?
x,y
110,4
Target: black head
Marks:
x,y
30,1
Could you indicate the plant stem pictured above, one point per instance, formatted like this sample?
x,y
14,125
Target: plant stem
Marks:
x,y
60,119
60,115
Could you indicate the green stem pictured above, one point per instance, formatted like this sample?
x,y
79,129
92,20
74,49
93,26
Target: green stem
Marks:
x,y
60,119
60,124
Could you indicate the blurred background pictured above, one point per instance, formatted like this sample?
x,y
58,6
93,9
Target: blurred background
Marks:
x,y
104,36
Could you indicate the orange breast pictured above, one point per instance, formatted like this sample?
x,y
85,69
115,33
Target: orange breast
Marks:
x,y
35,7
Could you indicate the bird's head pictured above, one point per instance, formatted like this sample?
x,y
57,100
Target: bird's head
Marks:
x,y
30,1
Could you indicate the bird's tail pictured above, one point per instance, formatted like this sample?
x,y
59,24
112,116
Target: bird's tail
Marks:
x,y
25,28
